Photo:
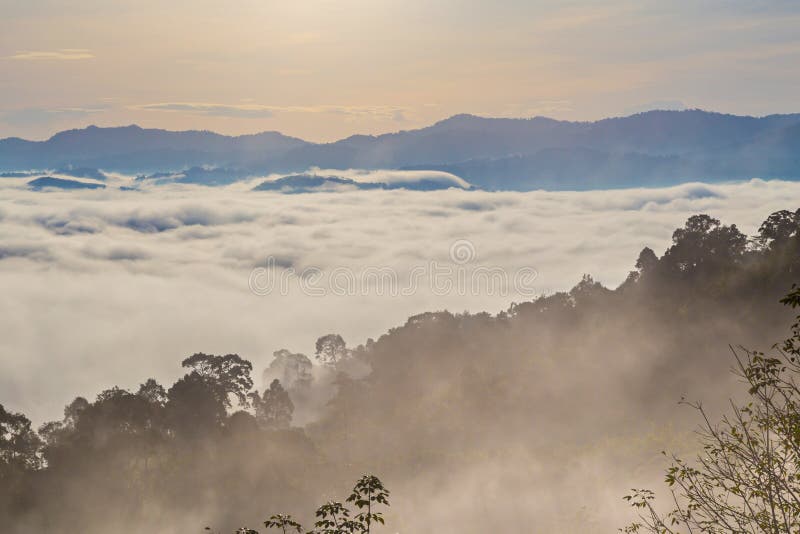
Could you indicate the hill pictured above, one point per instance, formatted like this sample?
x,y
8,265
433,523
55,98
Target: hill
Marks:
x,y
652,148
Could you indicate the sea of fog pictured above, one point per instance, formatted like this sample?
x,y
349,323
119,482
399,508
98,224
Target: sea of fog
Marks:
x,y
110,287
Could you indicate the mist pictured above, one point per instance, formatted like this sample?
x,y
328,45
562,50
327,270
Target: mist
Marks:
x,y
104,287
538,415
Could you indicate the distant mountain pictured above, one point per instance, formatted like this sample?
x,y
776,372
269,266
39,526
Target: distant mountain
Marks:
x,y
135,149
47,182
211,176
309,183
652,148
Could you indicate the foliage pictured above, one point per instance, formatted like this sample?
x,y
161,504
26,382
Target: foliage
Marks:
x,y
273,408
283,522
153,392
779,228
368,492
334,517
227,375
746,479
331,349
19,444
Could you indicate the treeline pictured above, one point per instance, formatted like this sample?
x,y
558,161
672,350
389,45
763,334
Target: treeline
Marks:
x,y
451,409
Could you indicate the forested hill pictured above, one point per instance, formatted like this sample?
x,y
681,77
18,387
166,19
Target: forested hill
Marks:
x,y
653,148
532,416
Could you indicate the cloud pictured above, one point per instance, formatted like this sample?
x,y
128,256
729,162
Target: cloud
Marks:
x,y
24,250
248,111
118,254
160,273
260,111
43,116
69,225
532,109
62,54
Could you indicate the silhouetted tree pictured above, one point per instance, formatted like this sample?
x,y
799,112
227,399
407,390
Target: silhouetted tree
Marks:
x,y
226,375
54,431
274,408
704,244
19,444
647,261
645,264
153,392
588,291
779,238
331,349
194,406
778,228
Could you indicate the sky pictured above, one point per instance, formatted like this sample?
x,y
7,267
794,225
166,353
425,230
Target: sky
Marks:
x,y
327,69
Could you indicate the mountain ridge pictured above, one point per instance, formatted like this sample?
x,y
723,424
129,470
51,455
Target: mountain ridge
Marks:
x,y
446,121
490,152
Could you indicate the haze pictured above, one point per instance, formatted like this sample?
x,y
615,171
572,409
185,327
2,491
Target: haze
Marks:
x,y
126,283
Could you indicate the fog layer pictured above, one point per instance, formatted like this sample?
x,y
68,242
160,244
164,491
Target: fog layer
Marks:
x,y
104,287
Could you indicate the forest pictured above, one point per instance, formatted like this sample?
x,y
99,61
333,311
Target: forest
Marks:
x,y
538,418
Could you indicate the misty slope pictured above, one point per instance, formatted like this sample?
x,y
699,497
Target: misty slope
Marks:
x,y
536,419
652,148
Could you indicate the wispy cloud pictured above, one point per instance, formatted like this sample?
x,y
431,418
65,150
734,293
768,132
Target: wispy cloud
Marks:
x,y
251,110
532,109
62,54
28,116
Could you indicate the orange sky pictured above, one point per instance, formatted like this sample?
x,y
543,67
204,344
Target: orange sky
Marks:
x,y
325,69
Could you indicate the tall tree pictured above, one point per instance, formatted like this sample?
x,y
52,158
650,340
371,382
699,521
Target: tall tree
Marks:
x,y
19,444
331,349
704,245
153,392
194,406
227,375
778,228
274,408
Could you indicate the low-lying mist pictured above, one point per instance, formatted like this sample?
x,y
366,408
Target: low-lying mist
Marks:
x,y
536,419
103,287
